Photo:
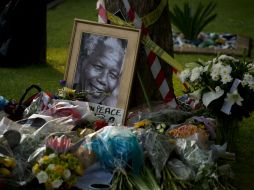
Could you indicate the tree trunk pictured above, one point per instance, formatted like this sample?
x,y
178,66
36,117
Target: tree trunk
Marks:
x,y
161,33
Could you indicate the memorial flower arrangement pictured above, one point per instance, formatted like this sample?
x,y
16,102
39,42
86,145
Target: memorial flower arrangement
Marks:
x,y
225,86
60,168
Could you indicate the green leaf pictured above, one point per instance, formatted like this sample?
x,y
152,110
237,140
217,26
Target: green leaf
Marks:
x,y
191,22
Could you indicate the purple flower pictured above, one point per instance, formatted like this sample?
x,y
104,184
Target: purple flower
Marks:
x,y
62,83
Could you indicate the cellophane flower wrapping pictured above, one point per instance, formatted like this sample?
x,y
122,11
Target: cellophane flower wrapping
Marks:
x,y
31,143
168,115
116,147
40,103
158,148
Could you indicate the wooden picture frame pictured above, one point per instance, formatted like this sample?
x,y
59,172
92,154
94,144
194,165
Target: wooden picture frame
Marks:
x,y
116,45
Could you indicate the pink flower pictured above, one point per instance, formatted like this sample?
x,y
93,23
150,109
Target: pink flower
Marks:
x,y
58,144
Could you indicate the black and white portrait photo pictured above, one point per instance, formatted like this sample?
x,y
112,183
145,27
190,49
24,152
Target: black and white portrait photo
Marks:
x,y
99,68
101,63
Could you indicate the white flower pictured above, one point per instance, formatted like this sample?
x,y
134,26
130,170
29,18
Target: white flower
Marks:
x,y
195,73
57,183
218,89
215,76
42,177
184,75
51,166
40,161
53,155
251,85
206,68
226,78
67,174
216,67
225,70
234,97
226,57
196,95
215,71
247,79
208,97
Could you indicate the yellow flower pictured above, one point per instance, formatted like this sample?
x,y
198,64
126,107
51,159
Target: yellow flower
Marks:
x,y
43,160
71,181
59,169
142,123
48,185
79,170
36,168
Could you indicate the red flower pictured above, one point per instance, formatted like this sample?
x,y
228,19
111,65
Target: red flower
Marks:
x,y
98,124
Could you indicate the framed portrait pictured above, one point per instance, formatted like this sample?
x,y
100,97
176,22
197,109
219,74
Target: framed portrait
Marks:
x,y
101,62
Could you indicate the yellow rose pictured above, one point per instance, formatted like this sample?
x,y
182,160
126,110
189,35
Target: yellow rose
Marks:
x,y
59,169
79,170
36,169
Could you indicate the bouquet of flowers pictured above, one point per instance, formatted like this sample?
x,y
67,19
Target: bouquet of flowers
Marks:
x,y
223,85
59,169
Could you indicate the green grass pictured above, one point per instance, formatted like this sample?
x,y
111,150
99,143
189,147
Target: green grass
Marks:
x,y
235,16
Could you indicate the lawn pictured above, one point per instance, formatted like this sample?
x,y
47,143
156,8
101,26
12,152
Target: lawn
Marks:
x,y
233,17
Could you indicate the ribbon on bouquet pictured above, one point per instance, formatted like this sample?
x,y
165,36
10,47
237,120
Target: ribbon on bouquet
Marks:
x,y
232,98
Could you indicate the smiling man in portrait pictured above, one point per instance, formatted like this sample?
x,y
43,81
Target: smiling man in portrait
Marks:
x,y
100,67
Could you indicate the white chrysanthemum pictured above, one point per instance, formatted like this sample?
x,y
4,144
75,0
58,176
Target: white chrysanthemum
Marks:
x,y
226,78
206,68
247,79
251,85
215,75
51,166
42,177
195,73
225,70
234,97
57,183
184,75
67,174
216,67
226,57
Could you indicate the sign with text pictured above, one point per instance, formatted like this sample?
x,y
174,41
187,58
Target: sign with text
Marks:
x,y
110,114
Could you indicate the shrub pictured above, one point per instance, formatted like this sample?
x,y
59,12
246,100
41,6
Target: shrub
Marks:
x,y
191,22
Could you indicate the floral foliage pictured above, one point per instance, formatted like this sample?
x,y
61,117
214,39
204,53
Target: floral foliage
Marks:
x,y
58,170
225,85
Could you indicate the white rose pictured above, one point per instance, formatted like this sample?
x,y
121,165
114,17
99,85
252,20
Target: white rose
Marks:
x,y
57,183
53,155
42,177
67,174
51,166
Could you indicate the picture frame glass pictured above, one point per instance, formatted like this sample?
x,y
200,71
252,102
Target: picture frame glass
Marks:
x,y
101,62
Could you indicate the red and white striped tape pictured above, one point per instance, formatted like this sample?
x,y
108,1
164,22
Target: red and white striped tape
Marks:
x,y
153,60
102,13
